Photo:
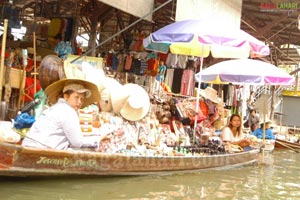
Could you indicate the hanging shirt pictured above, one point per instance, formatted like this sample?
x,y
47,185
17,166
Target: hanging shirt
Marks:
x,y
171,60
136,66
152,64
161,73
115,62
176,85
169,77
128,62
187,83
120,62
63,49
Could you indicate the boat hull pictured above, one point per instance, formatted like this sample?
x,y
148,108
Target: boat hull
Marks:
x,y
16,160
286,144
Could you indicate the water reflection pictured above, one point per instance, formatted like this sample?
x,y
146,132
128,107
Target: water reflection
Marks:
x,y
276,179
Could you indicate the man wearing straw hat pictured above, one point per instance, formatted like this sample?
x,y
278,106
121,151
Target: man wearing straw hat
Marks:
x,y
58,127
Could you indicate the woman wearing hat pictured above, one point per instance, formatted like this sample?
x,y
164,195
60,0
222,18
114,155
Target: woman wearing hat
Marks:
x,y
268,131
232,134
58,126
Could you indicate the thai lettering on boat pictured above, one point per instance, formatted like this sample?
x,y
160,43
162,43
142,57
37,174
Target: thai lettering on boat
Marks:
x,y
49,161
65,162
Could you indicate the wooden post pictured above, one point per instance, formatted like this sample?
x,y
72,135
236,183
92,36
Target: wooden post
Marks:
x,y
4,35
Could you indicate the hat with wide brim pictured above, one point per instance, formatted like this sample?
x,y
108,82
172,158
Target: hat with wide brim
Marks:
x,y
211,94
120,94
105,101
267,120
54,90
137,105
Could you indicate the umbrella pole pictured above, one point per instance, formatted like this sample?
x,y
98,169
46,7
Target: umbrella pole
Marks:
x,y
264,125
197,99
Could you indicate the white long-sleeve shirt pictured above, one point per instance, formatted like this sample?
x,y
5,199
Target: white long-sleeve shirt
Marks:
x,y
58,128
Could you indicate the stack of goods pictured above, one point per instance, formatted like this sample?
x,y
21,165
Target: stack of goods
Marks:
x,y
86,121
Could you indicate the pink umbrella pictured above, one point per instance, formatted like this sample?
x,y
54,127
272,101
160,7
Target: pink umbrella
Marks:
x,y
246,71
199,38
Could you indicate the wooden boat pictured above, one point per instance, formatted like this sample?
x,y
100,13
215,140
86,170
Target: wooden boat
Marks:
x,y
279,143
269,145
16,160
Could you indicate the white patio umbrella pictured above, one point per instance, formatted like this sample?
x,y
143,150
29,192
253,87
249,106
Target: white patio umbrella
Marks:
x,y
245,71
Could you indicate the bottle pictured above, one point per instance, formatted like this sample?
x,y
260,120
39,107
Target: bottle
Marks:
x,y
29,106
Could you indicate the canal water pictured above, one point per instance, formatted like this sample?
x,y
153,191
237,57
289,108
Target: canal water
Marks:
x,y
277,177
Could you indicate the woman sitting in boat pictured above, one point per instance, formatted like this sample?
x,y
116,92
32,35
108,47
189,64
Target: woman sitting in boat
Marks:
x,y
58,126
232,134
268,131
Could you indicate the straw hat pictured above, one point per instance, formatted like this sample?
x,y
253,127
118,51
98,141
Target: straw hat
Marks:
x,y
105,101
211,94
267,120
131,101
137,105
120,94
55,89
108,82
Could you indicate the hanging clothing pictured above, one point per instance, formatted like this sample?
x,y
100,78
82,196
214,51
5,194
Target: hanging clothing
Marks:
x,y
121,62
109,60
55,27
162,56
181,61
169,77
176,85
115,62
161,73
144,66
136,66
143,55
229,97
63,49
138,46
68,28
128,62
187,83
171,60
153,64
152,55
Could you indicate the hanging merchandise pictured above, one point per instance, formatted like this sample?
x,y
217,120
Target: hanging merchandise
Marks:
x,y
55,27
187,82
13,16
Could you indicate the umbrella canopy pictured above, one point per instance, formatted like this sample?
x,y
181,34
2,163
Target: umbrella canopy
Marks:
x,y
199,38
245,71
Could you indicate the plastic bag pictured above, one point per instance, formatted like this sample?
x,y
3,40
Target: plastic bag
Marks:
x,y
23,120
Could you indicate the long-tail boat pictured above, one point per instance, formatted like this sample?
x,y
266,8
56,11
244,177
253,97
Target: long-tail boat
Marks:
x,y
17,160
